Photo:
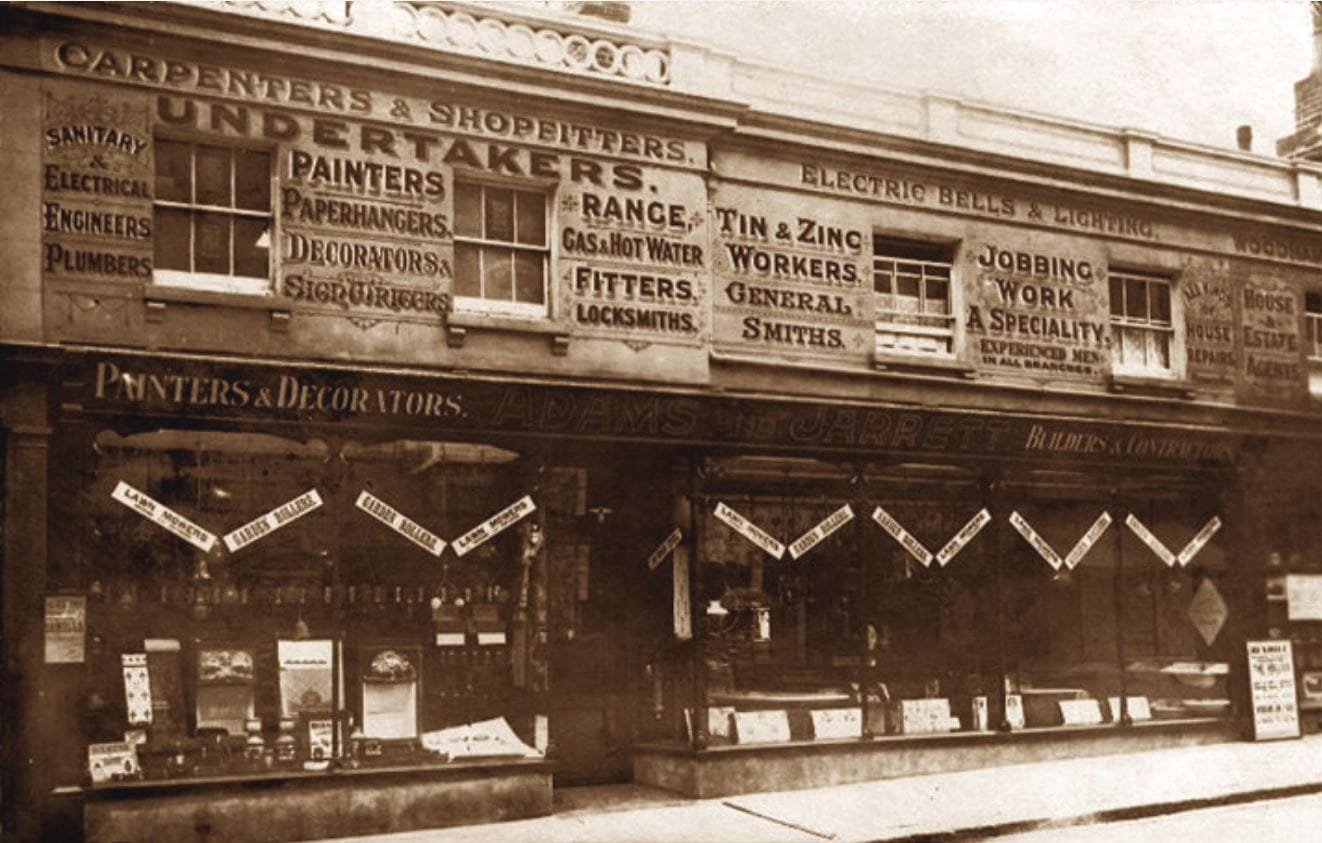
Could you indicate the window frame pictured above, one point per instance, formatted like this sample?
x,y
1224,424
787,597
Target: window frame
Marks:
x,y
1313,337
505,307
938,328
1147,326
213,281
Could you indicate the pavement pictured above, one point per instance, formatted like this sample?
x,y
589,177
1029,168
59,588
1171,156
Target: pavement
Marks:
x,y
965,805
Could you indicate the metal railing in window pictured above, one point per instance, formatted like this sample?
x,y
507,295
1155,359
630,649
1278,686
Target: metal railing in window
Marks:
x,y
1141,324
501,250
913,309
213,217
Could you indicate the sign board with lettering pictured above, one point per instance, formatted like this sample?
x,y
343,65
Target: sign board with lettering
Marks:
x,y
754,727
836,723
158,513
282,516
397,521
1187,553
901,535
668,544
97,185
1272,690
1155,544
1080,712
792,276
493,526
1303,597
1271,369
749,530
1087,540
821,531
1210,324
1208,611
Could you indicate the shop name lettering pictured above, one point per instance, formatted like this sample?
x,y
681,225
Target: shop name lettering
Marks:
x,y
903,191
284,90
287,393
1043,439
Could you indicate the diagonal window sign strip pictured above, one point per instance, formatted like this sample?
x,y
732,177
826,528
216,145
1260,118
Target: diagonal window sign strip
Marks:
x,y
161,515
495,525
1196,543
1163,552
1088,539
663,550
963,537
824,529
901,535
1039,544
264,525
749,530
397,521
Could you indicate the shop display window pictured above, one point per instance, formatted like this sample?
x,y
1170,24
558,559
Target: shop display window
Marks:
x,y
213,219
309,624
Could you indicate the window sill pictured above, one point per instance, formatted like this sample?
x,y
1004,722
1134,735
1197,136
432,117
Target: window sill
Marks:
x,y
460,322
1149,385
952,366
157,300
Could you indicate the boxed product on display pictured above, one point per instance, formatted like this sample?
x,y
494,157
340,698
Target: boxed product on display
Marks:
x,y
390,692
307,670
225,688
925,716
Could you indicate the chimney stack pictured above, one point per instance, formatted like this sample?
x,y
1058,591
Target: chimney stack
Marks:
x,y
1244,138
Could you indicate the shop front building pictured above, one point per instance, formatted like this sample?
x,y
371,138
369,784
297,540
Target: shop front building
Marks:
x,y
410,412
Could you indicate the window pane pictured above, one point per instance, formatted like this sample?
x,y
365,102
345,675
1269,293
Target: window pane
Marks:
x,y
1159,349
1161,302
1131,347
497,275
172,171
250,258
1136,299
881,282
211,243
908,286
531,219
252,180
171,239
938,294
528,286
467,277
499,209
1117,296
467,210
213,176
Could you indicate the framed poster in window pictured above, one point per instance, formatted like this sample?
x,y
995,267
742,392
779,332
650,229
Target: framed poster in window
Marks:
x,y
226,679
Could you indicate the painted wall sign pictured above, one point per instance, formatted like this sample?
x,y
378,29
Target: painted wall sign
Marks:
x,y
1145,535
668,544
158,513
495,525
1038,314
1045,550
400,523
1209,321
749,530
180,73
901,535
65,627
821,531
963,537
97,176
1087,540
1270,334
282,516
633,255
1272,690
790,277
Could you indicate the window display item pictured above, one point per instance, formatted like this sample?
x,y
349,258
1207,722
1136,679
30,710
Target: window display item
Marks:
x,y
761,727
484,739
390,693
108,762
225,687
137,688
167,689
978,714
306,676
286,745
1136,707
1080,712
1014,711
925,716
837,723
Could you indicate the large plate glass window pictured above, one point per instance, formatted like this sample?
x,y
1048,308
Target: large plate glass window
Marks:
x,y
213,217
1141,324
500,249
1313,347
913,305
